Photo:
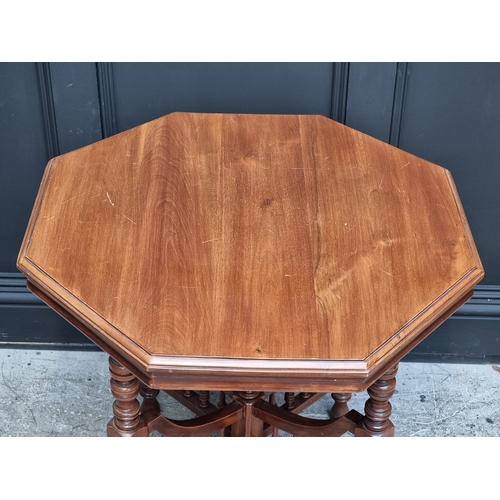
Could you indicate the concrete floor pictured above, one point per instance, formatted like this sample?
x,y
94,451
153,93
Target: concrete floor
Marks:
x,y
66,393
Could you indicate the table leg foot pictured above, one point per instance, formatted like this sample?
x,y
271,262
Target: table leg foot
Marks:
x,y
378,408
126,421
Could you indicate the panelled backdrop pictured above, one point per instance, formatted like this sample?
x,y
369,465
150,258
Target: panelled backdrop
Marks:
x,y
448,113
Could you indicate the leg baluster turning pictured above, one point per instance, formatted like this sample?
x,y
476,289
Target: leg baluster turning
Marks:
x,y
149,401
378,408
340,407
204,397
126,409
289,400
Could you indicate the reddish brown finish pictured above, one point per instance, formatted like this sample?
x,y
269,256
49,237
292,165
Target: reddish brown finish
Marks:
x,y
250,252
289,400
248,426
378,408
340,406
307,427
127,420
149,401
205,425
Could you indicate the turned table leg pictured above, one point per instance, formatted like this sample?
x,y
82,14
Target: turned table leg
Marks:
x,y
378,408
126,419
340,407
149,401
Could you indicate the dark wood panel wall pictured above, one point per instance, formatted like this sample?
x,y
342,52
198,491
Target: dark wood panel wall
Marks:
x,y
447,113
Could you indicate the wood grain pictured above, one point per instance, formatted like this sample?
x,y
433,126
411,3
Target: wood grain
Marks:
x,y
250,241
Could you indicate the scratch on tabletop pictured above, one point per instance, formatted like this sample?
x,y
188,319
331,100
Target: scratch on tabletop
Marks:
x,y
77,196
129,219
208,241
405,165
380,185
112,204
386,272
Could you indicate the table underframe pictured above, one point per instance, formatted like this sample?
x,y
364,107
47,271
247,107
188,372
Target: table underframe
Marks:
x,y
245,413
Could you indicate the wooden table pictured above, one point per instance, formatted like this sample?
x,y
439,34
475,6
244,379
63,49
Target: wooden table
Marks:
x,y
249,255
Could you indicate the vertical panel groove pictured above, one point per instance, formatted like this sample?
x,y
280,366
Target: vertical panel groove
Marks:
x,y
106,88
48,111
339,91
398,103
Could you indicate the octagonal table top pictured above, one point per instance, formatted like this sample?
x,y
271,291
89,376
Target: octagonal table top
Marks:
x,y
254,245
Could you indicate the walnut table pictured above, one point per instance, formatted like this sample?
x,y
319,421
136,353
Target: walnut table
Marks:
x,y
249,255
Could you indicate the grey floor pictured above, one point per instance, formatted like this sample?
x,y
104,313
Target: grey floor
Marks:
x,y
66,393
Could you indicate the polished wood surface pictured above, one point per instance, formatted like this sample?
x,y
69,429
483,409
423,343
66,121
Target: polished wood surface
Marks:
x,y
220,251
